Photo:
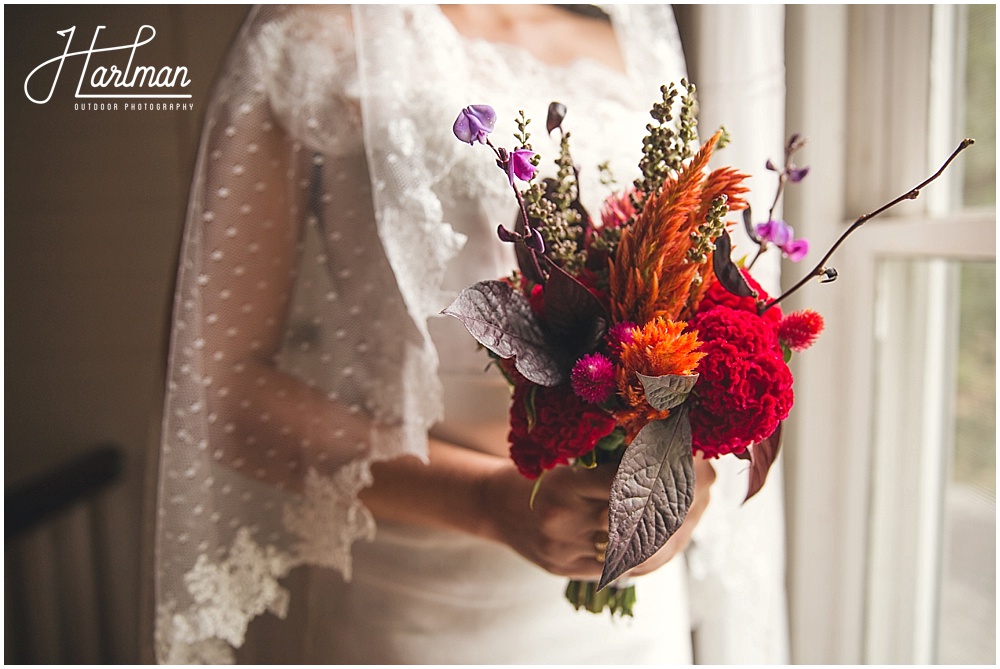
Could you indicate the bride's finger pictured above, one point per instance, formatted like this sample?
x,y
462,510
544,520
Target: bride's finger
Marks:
x,y
595,484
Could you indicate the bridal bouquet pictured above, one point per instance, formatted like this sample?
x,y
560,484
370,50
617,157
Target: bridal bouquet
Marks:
x,y
635,339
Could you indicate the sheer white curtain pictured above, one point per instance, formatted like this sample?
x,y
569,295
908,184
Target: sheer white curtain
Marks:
x,y
737,562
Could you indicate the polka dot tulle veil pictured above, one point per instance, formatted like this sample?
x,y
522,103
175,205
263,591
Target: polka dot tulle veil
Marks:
x,y
332,216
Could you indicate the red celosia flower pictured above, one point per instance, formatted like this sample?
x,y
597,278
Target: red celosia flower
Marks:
x,y
593,378
717,295
564,427
744,389
799,330
536,298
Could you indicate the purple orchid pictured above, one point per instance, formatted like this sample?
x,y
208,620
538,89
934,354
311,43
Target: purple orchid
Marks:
x,y
782,235
474,123
519,165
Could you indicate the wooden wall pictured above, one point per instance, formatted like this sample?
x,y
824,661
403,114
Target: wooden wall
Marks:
x,y
93,209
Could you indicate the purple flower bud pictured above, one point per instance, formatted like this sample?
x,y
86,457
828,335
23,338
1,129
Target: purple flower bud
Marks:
x,y
519,165
618,335
795,142
533,240
506,235
770,166
557,112
796,250
778,233
797,174
474,123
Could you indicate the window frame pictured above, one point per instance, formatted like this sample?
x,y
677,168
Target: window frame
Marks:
x,y
866,83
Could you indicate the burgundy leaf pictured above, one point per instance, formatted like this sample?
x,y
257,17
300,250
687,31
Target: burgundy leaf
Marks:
x,y
556,114
665,392
525,264
726,271
575,319
501,319
762,456
651,494
525,256
749,226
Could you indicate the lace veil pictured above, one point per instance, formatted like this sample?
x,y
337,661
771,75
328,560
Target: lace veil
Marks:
x,y
313,255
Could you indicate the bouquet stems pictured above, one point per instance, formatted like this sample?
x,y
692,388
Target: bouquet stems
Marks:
x,y
617,599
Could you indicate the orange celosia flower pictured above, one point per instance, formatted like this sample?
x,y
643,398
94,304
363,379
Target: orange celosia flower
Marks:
x,y
650,276
658,348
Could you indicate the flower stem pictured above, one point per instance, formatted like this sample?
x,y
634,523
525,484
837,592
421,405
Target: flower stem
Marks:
x,y
502,159
617,601
820,268
790,148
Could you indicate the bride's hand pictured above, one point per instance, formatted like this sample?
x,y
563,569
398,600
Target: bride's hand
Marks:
x,y
570,509
556,533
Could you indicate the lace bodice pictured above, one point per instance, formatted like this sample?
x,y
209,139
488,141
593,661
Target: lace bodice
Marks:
x,y
333,215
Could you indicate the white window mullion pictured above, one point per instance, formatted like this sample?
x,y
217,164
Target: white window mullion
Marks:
x,y
914,374
869,442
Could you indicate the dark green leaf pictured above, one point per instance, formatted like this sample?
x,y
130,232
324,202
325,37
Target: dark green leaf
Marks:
x,y
529,407
726,271
651,494
762,456
588,460
611,442
501,319
665,392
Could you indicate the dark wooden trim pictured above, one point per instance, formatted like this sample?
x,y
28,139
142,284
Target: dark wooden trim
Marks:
x,y
28,504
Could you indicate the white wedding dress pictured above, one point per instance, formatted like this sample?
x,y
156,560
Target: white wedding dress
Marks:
x,y
333,216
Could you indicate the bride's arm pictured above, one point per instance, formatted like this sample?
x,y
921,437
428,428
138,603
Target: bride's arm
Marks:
x,y
485,495
272,425
261,421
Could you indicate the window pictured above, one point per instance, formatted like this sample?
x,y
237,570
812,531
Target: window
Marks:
x,y
891,456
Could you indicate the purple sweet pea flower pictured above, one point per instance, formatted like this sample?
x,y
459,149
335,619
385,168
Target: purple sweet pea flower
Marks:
x,y
797,174
519,165
474,123
782,235
534,241
796,250
778,233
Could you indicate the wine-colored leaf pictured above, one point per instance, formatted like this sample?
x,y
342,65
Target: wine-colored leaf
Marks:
x,y
726,271
762,456
749,226
651,494
574,318
555,116
501,319
665,392
525,263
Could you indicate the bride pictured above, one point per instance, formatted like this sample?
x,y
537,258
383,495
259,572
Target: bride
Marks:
x,y
334,481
